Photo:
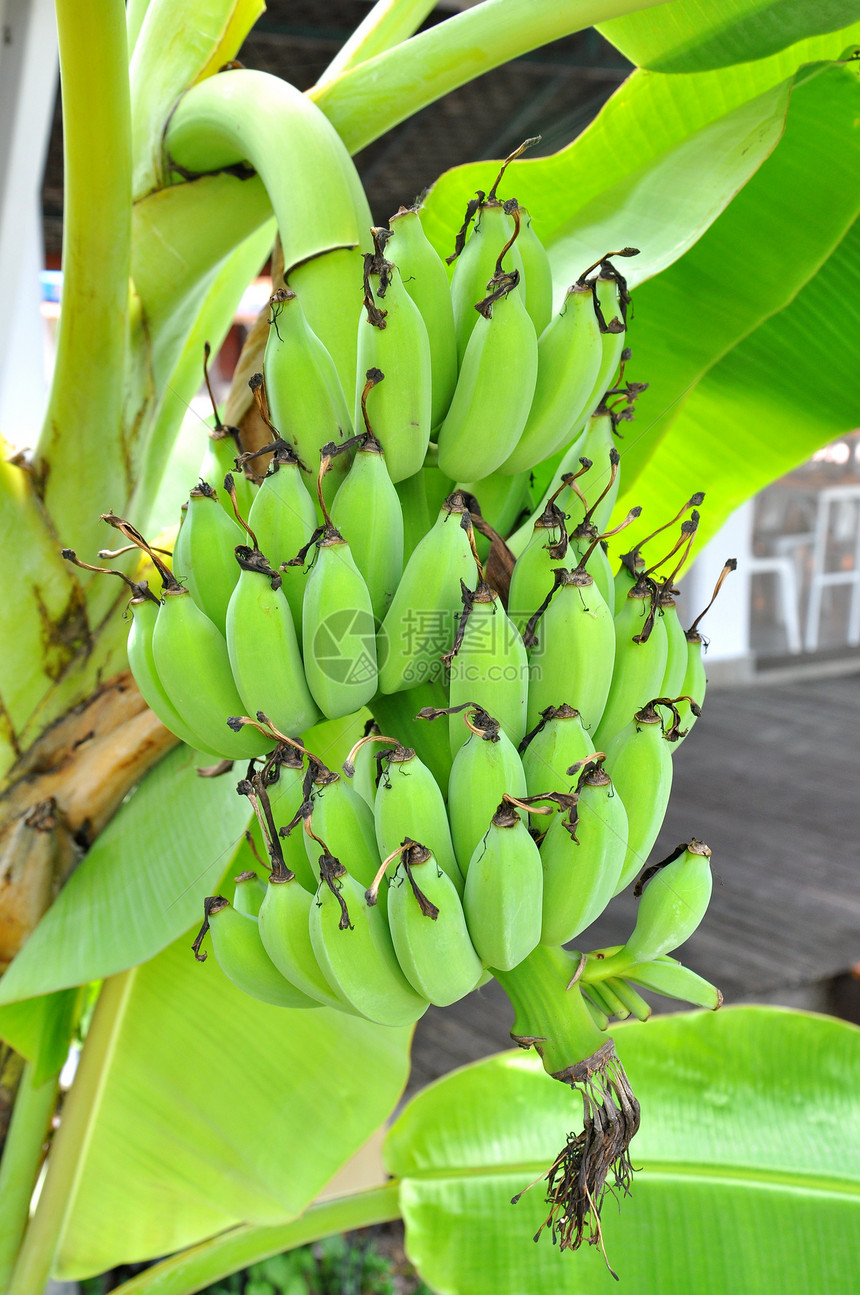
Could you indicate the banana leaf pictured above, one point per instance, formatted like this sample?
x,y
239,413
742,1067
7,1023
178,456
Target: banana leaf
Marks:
x,y
748,1159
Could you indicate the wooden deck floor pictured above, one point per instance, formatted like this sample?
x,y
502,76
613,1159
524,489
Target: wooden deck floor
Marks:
x,y
770,779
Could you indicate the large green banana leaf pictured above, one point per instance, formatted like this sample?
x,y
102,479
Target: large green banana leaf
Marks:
x,y
694,35
749,1159
163,1145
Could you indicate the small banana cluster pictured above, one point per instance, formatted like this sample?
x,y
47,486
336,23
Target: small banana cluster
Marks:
x,y
436,539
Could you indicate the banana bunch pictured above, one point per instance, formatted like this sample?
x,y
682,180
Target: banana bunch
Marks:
x,y
432,541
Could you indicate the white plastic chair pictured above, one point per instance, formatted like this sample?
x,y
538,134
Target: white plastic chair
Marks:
x,y
844,526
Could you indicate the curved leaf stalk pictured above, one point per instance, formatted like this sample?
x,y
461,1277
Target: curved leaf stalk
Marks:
x,y
193,1269
68,1153
388,23
81,457
210,313
177,45
22,1158
369,99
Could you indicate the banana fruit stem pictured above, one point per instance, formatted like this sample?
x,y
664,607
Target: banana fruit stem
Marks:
x,y
552,1017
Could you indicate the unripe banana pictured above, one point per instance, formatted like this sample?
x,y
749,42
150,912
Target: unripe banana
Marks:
x,y
558,741
240,954
426,280
428,929
611,300
248,893
504,891
601,484
495,386
582,855
488,666
283,518
695,682
633,1004
676,642
338,630
607,1000
285,933
667,976
533,570
675,897
422,618
491,248
485,767
639,762
191,661
334,276
366,509
641,651
263,647
353,947
223,446
219,458
283,777
208,544
342,819
392,338
305,398
360,766
575,649
409,803
145,610
537,274
569,353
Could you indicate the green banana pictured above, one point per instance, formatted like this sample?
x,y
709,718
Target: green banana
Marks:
x,y
667,976
421,620
248,893
338,629
674,898
537,274
695,682
285,933
352,944
426,280
611,300
281,783
488,665
305,398
485,767
190,661
504,891
633,1004
367,510
639,761
144,609
263,647
491,401
557,741
283,518
582,855
340,816
359,765
641,652
676,640
409,803
572,656
533,569
240,954
208,543
334,276
223,446
392,338
492,248
569,355
428,928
